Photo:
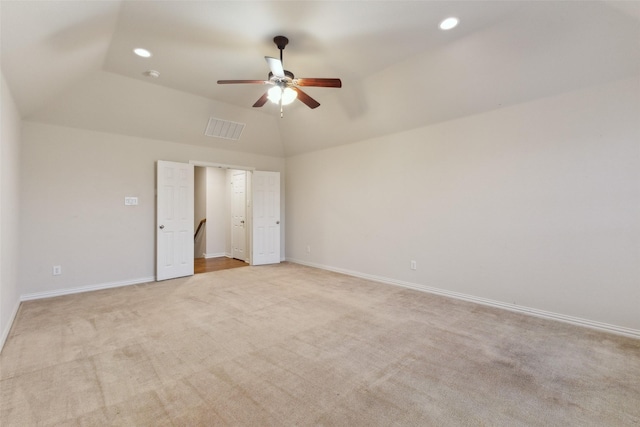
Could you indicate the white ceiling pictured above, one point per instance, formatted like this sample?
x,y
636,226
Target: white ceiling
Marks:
x,y
71,63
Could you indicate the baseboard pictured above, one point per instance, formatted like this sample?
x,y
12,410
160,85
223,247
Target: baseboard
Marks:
x,y
7,329
97,287
219,255
620,330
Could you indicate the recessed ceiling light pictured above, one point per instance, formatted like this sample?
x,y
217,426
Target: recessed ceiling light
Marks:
x,y
449,23
142,52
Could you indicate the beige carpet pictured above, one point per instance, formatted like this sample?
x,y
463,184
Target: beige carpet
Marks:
x,y
289,345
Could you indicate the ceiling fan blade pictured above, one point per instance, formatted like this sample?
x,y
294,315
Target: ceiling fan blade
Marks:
x,y
309,101
318,82
263,99
250,82
275,65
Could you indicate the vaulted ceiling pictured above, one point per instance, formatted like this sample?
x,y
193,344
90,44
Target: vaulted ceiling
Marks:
x,y
71,63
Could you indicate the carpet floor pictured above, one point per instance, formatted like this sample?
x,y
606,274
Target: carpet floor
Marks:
x,y
288,345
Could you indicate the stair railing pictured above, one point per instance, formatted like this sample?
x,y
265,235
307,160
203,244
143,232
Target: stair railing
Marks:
x,y
202,221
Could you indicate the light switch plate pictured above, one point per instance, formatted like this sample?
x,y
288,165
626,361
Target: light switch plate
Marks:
x,y
130,201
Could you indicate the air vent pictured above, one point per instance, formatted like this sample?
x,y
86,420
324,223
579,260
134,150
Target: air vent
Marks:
x,y
226,129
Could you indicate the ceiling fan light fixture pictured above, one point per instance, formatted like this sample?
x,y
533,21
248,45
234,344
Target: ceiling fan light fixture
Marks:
x,y
274,94
287,95
449,23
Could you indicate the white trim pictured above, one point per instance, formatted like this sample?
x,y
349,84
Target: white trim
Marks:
x,y
220,165
7,329
218,255
620,330
97,287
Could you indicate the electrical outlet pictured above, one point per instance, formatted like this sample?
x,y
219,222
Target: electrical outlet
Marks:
x,y
57,270
414,265
308,249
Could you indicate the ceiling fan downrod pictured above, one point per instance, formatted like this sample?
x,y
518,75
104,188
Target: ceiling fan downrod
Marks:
x,y
281,42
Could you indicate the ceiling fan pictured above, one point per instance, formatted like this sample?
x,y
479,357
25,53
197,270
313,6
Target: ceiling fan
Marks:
x,y
286,87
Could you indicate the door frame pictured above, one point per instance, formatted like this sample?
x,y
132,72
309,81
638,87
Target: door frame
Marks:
x,y
249,199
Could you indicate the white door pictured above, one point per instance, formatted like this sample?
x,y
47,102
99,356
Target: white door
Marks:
x,y
174,233
266,217
238,215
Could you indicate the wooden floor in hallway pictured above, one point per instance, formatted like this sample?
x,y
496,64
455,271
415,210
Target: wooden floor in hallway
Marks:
x,y
206,265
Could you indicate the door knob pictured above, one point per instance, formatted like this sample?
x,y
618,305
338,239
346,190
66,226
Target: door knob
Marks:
x,y
277,222
162,227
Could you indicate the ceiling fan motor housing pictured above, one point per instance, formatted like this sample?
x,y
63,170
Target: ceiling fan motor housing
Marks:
x,y
288,75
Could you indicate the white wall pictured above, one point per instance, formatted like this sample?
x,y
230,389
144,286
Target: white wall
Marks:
x,y
73,186
536,205
218,220
112,103
9,209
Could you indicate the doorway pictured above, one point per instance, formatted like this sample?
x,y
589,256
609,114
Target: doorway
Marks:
x,y
176,200
220,205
